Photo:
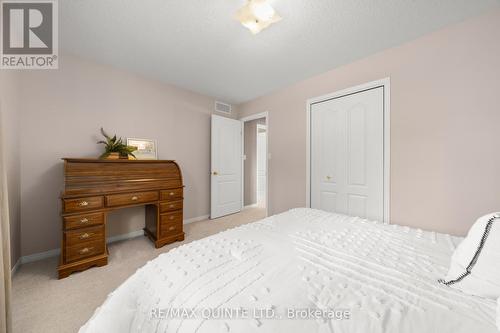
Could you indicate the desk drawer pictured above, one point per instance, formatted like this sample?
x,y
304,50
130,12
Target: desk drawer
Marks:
x,y
130,198
83,220
84,250
173,194
170,206
171,224
81,236
170,229
169,218
82,204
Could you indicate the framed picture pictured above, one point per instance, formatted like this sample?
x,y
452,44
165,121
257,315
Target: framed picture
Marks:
x,y
146,149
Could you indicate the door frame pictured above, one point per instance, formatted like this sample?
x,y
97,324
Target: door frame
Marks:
x,y
243,120
386,84
258,127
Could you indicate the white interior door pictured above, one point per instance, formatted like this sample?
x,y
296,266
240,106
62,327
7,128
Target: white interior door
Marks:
x,y
347,154
261,165
226,160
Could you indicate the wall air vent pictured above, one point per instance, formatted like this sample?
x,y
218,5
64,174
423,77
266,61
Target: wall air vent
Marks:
x,y
222,107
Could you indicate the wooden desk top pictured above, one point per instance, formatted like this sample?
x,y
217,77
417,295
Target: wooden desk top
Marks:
x,y
97,160
88,176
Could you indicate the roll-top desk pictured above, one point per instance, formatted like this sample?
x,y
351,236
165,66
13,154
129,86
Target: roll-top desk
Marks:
x,y
95,187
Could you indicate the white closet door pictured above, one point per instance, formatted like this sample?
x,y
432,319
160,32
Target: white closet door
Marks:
x,y
347,154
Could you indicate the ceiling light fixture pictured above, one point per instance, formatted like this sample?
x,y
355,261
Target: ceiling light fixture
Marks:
x,y
257,15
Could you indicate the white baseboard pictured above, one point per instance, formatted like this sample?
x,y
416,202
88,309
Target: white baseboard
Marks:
x,y
196,219
56,252
250,206
16,266
39,256
130,235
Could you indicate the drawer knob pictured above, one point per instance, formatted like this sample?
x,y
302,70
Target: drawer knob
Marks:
x,y
135,198
85,250
84,220
171,228
85,235
83,203
171,217
171,193
171,206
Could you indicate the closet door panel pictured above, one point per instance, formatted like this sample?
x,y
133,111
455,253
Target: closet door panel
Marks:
x,y
325,157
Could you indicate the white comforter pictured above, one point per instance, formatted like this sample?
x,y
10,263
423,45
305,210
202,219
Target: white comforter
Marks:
x,y
368,276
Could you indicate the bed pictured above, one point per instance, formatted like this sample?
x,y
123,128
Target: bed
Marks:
x,y
303,270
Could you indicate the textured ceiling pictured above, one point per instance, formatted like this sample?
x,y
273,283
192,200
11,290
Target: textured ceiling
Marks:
x,y
198,45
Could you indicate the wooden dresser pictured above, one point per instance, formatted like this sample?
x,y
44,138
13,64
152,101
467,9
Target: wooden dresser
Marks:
x,y
93,188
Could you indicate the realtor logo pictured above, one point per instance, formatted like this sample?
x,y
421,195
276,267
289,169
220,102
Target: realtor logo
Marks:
x,y
29,34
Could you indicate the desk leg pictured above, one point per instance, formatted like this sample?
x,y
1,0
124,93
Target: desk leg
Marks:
x,y
67,269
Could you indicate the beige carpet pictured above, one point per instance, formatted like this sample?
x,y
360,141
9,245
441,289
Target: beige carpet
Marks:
x,y
42,303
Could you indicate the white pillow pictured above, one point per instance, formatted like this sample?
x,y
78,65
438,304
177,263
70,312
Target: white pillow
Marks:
x,y
475,264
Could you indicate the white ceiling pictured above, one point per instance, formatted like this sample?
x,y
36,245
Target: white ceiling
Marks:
x,y
198,45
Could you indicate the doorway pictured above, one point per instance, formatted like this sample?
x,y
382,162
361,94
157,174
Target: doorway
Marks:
x,y
239,164
255,161
261,164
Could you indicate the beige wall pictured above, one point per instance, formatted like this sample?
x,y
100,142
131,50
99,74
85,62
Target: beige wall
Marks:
x,y
9,109
445,116
62,112
444,125
250,164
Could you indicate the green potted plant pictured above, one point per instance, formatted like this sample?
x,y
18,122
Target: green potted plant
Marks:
x,y
115,148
